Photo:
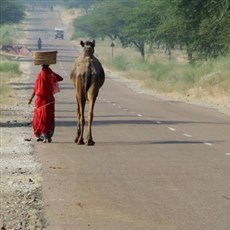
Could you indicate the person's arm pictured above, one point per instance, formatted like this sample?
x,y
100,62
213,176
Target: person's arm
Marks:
x,y
31,98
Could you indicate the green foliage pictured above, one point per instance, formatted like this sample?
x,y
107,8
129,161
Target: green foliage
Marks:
x,y
12,67
3,89
8,70
109,20
205,25
175,77
11,11
120,63
214,31
8,32
202,27
102,22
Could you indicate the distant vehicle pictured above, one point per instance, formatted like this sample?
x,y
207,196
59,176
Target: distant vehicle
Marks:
x,y
59,32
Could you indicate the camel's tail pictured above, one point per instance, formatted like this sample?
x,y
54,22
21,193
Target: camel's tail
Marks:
x,y
88,77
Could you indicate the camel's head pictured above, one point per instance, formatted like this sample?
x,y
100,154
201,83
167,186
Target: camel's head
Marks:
x,y
88,47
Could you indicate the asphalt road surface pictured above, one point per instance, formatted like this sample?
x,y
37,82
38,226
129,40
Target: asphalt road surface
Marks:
x,y
156,165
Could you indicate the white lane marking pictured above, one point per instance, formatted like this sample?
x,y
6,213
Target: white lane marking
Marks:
x,y
207,143
119,107
227,154
159,122
172,129
187,135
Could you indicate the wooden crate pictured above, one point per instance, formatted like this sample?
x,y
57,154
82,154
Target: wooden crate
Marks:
x,y
45,57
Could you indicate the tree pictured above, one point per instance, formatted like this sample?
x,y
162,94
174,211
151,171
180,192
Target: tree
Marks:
x,y
110,19
213,37
12,11
204,26
139,24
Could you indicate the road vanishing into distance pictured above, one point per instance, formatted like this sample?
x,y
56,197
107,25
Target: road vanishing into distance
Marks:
x,y
156,164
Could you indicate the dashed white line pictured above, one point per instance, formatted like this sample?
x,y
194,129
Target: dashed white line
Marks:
x,y
159,122
207,143
172,129
187,135
227,154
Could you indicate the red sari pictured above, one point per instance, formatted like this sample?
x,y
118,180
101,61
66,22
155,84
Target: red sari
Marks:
x,y
45,87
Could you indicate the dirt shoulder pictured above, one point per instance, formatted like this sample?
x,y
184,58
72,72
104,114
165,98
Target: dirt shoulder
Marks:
x,y
20,198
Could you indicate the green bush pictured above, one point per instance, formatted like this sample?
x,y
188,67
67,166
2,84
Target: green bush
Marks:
x,y
120,63
3,89
12,67
8,32
8,70
163,75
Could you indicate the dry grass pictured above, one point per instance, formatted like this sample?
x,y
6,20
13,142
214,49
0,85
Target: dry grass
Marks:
x,y
206,82
9,72
6,91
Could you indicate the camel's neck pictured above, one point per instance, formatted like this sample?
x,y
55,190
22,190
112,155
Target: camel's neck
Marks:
x,y
88,54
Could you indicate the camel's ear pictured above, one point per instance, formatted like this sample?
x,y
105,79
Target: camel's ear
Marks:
x,y
93,42
82,43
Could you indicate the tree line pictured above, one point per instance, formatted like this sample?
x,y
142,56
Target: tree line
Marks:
x,y
11,11
202,27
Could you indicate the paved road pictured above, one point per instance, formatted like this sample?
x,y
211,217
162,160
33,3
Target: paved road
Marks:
x,y
156,165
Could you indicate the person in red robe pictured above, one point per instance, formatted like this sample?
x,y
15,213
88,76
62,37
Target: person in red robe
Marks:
x,y
46,85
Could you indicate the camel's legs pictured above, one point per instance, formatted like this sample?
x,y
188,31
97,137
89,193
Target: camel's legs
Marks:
x,y
92,100
81,120
78,123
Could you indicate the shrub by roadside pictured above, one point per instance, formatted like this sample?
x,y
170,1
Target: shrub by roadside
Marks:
x,y
205,82
9,70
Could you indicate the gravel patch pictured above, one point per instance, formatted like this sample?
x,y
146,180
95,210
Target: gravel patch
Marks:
x,y
21,204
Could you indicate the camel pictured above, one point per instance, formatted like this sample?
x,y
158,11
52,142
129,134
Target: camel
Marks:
x,y
87,76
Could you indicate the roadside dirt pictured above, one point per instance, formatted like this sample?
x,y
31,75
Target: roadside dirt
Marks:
x,y
19,50
20,173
